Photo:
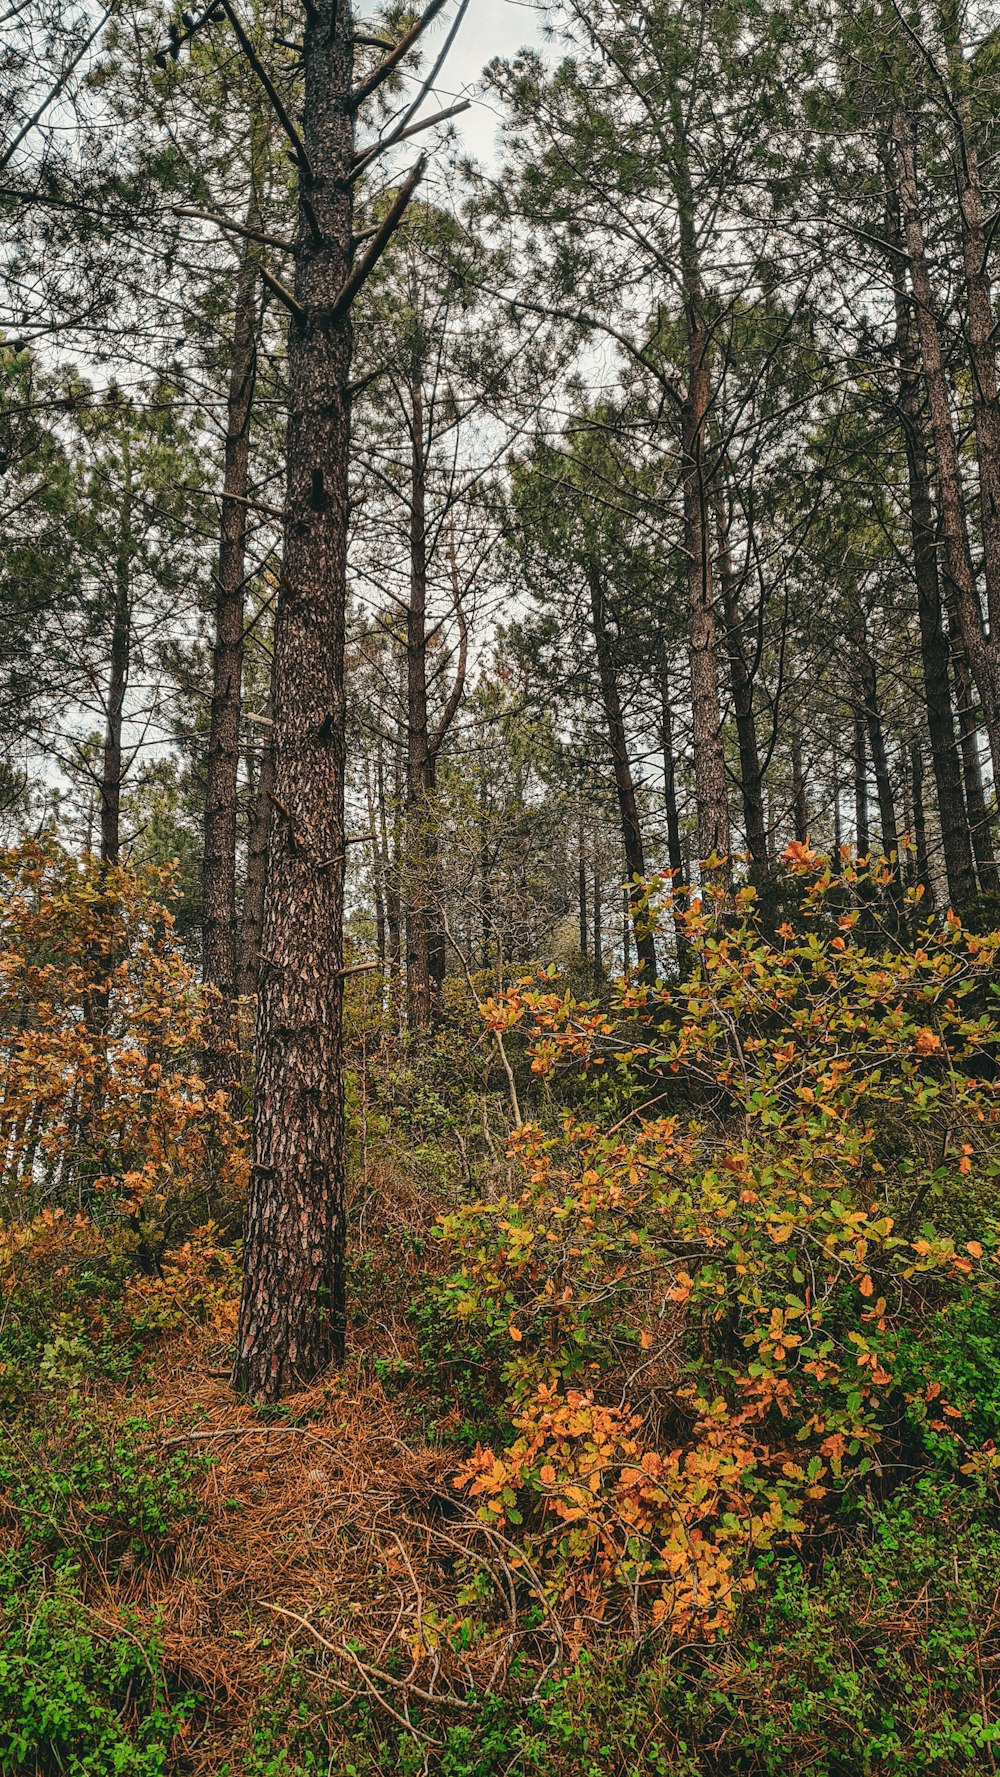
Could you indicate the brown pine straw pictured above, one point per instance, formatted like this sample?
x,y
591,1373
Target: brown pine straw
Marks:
x,y
334,1541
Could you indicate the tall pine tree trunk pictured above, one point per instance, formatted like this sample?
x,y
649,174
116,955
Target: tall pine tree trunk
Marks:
x,y
419,763
955,840
711,794
251,934
628,808
963,597
112,762
675,855
862,836
980,322
972,771
876,742
220,948
292,1311
741,685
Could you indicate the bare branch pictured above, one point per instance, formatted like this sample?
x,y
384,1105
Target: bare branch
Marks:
x,y
364,268
390,62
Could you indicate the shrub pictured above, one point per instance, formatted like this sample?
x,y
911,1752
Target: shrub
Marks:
x,y
721,1326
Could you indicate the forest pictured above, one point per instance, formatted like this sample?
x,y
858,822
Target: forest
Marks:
x,y
499,888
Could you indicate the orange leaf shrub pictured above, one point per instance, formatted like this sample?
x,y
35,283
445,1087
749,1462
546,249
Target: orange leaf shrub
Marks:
x,y
729,1313
108,1139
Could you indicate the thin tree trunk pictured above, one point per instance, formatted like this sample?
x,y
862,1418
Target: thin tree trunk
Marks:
x,y
964,597
920,826
292,1314
741,684
934,651
258,831
419,764
980,323
879,757
972,771
394,897
862,837
390,891
675,854
598,926
628,808
800,811
377,868
581,879
121,627
219,920
711,793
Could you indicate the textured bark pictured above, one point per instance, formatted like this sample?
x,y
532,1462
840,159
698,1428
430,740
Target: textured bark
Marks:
x,y
800,810
963,597
394,899
378,868
121,628
419,760
425,943
220,949
255,878
581,894
972,772
628,808
741,687
920,826
710,788
981,335
675,855
598,925
291,1323
955,840
862,836
876,742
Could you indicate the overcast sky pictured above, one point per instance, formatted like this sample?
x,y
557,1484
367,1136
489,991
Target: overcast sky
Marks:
x,y
490,28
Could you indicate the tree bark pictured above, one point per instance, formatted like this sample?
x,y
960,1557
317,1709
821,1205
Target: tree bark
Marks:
x,y
741,685
628,808
219,919
972,772
980,324
292,1313
876,742
963,597
598,926
675,854
121,627
419,762
924,877
800,810
581,893
862,837
955,841
377,867
258,830
711,793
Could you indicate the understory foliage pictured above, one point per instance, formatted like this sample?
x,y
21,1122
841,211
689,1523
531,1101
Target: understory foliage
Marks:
x,y
115,1165
669,1438
748,1279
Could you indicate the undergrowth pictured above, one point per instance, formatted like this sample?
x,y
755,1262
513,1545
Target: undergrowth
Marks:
x,y
669,1438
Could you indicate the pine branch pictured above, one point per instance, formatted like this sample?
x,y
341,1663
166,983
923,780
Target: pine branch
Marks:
x,y
364,268
390,62
367,155
249,234
277,103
